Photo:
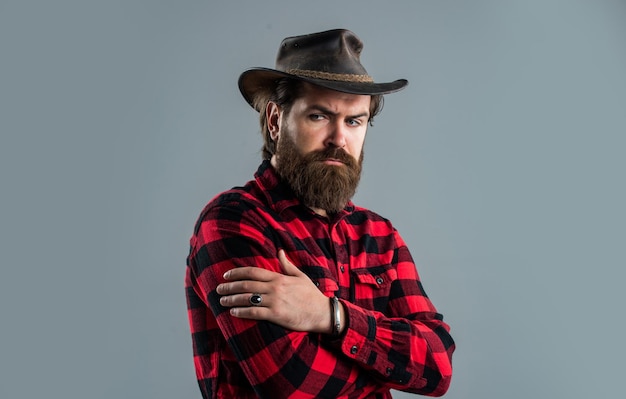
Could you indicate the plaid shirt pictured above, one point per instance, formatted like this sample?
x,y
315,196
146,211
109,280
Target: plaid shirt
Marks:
x,y
394,337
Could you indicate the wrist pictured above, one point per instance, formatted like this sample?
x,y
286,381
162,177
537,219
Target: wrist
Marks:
x,y
337,316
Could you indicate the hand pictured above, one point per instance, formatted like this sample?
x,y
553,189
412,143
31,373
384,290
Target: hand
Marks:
x,y
289,299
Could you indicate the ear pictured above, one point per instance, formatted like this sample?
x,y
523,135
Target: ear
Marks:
x,y
273,114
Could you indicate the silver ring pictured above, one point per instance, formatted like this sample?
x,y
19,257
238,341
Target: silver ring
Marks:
x,y
255,299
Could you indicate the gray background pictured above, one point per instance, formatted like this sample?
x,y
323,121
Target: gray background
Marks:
x,y
501,164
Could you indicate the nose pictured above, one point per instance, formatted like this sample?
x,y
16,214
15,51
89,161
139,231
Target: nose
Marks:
x,y
338,135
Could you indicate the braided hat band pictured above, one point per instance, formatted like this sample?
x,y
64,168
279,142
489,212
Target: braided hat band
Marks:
x,y
340,77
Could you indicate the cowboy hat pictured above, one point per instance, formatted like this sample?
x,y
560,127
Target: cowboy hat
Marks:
x,y
328,59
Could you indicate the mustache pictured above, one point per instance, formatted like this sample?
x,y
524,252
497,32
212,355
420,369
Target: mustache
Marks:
x,y
331,153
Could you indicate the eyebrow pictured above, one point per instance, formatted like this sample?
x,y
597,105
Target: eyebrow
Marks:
x,y
321,108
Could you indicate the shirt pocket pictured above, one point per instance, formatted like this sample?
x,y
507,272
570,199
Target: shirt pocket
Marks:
x,y
372,286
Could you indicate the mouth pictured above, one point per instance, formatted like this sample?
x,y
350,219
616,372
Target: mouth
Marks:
x,y
332,161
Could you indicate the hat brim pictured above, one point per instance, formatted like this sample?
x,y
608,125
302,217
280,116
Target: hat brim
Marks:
x,y
256,80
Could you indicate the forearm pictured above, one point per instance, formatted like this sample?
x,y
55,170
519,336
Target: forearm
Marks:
x,y
278,362
411,354
295,364
393,329
402,353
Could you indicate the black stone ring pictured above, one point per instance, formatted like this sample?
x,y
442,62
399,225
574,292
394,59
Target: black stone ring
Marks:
x,y
255,299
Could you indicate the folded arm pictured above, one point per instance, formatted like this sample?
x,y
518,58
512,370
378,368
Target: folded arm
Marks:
x,y
285,348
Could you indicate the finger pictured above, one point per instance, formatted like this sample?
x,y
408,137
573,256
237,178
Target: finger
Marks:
x,y
251,312
241,287
289,268
249,273
241,300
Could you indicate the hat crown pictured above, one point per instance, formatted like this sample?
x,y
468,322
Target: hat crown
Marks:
x,y
329,59
332,52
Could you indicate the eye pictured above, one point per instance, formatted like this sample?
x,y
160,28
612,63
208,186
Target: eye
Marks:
x,y
354,122
316,117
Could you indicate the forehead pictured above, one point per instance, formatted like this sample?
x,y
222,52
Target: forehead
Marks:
x,y
311,96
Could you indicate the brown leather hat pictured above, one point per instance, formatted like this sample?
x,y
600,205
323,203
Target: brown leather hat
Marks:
x,y
329,59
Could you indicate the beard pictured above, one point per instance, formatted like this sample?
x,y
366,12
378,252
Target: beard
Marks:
x,y
315,183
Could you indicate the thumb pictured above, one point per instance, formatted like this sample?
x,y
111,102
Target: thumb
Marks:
x,y
288,268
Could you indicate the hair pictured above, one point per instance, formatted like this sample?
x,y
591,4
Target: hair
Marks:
x,y
284,93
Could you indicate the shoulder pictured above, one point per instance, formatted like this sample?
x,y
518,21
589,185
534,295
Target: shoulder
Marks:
x,y
364,216
367,224
231,205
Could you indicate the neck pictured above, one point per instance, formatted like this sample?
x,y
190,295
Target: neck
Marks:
x,y
320,211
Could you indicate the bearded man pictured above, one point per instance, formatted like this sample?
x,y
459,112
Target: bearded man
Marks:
x,y
292,290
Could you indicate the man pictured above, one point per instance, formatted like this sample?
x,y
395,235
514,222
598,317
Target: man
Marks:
x,y
292,290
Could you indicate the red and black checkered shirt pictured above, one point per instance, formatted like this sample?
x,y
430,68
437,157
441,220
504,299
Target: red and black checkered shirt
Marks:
x,y
394,337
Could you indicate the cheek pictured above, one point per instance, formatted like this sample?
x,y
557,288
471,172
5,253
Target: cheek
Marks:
x,y
356,146
309,142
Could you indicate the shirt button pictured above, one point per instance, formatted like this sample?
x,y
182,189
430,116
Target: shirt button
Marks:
x,y
317,283
389,370
343,269
379,280
354,349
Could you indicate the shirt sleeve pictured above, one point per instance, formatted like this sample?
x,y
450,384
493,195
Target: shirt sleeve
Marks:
x,y
408,346
282,363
